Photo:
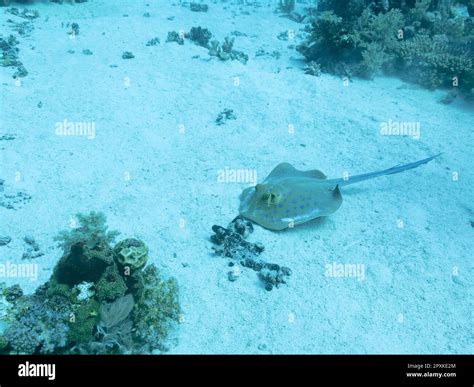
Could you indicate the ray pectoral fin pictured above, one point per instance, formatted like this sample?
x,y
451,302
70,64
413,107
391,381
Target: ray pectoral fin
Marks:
x,y
246,199
329,201
287,170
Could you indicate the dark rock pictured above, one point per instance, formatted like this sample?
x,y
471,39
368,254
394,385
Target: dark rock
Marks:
x,y
230,243
173,36
241,226
5,240
233,245
196,7
127,55
272,275
253,264
20,72
268,286
233,275
225,115
74,29
29,239
153,42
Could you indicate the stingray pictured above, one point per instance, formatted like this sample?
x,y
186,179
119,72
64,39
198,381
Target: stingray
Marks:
x,y
289,197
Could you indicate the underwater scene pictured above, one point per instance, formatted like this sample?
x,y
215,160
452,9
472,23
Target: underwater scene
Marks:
x,y
236,177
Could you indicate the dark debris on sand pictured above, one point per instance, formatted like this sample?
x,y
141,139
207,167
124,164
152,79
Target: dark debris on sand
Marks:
x,y
230,242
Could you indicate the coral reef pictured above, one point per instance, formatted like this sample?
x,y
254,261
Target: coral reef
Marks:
x,y
85,290
433,63
9,51
132,253
230,242
82,321
38,325
12,293
157,309
81,263
200,36
112,314
99,299
226,51
422,41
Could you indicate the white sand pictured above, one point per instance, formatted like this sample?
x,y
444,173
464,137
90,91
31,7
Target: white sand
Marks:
x,y
409,301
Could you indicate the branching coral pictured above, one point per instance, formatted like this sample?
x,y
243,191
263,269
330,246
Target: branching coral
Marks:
x,y
330,41
92,231
313,68
39,325
433,63
226,51
156,310
382,28
423,38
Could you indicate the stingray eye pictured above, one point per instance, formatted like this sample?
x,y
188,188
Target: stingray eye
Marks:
x,y
270,198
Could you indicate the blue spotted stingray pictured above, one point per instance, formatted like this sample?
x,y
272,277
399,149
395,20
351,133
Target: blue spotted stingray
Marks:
x,y
289,197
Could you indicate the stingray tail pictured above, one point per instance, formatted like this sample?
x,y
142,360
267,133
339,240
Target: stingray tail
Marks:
x,y
396,169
